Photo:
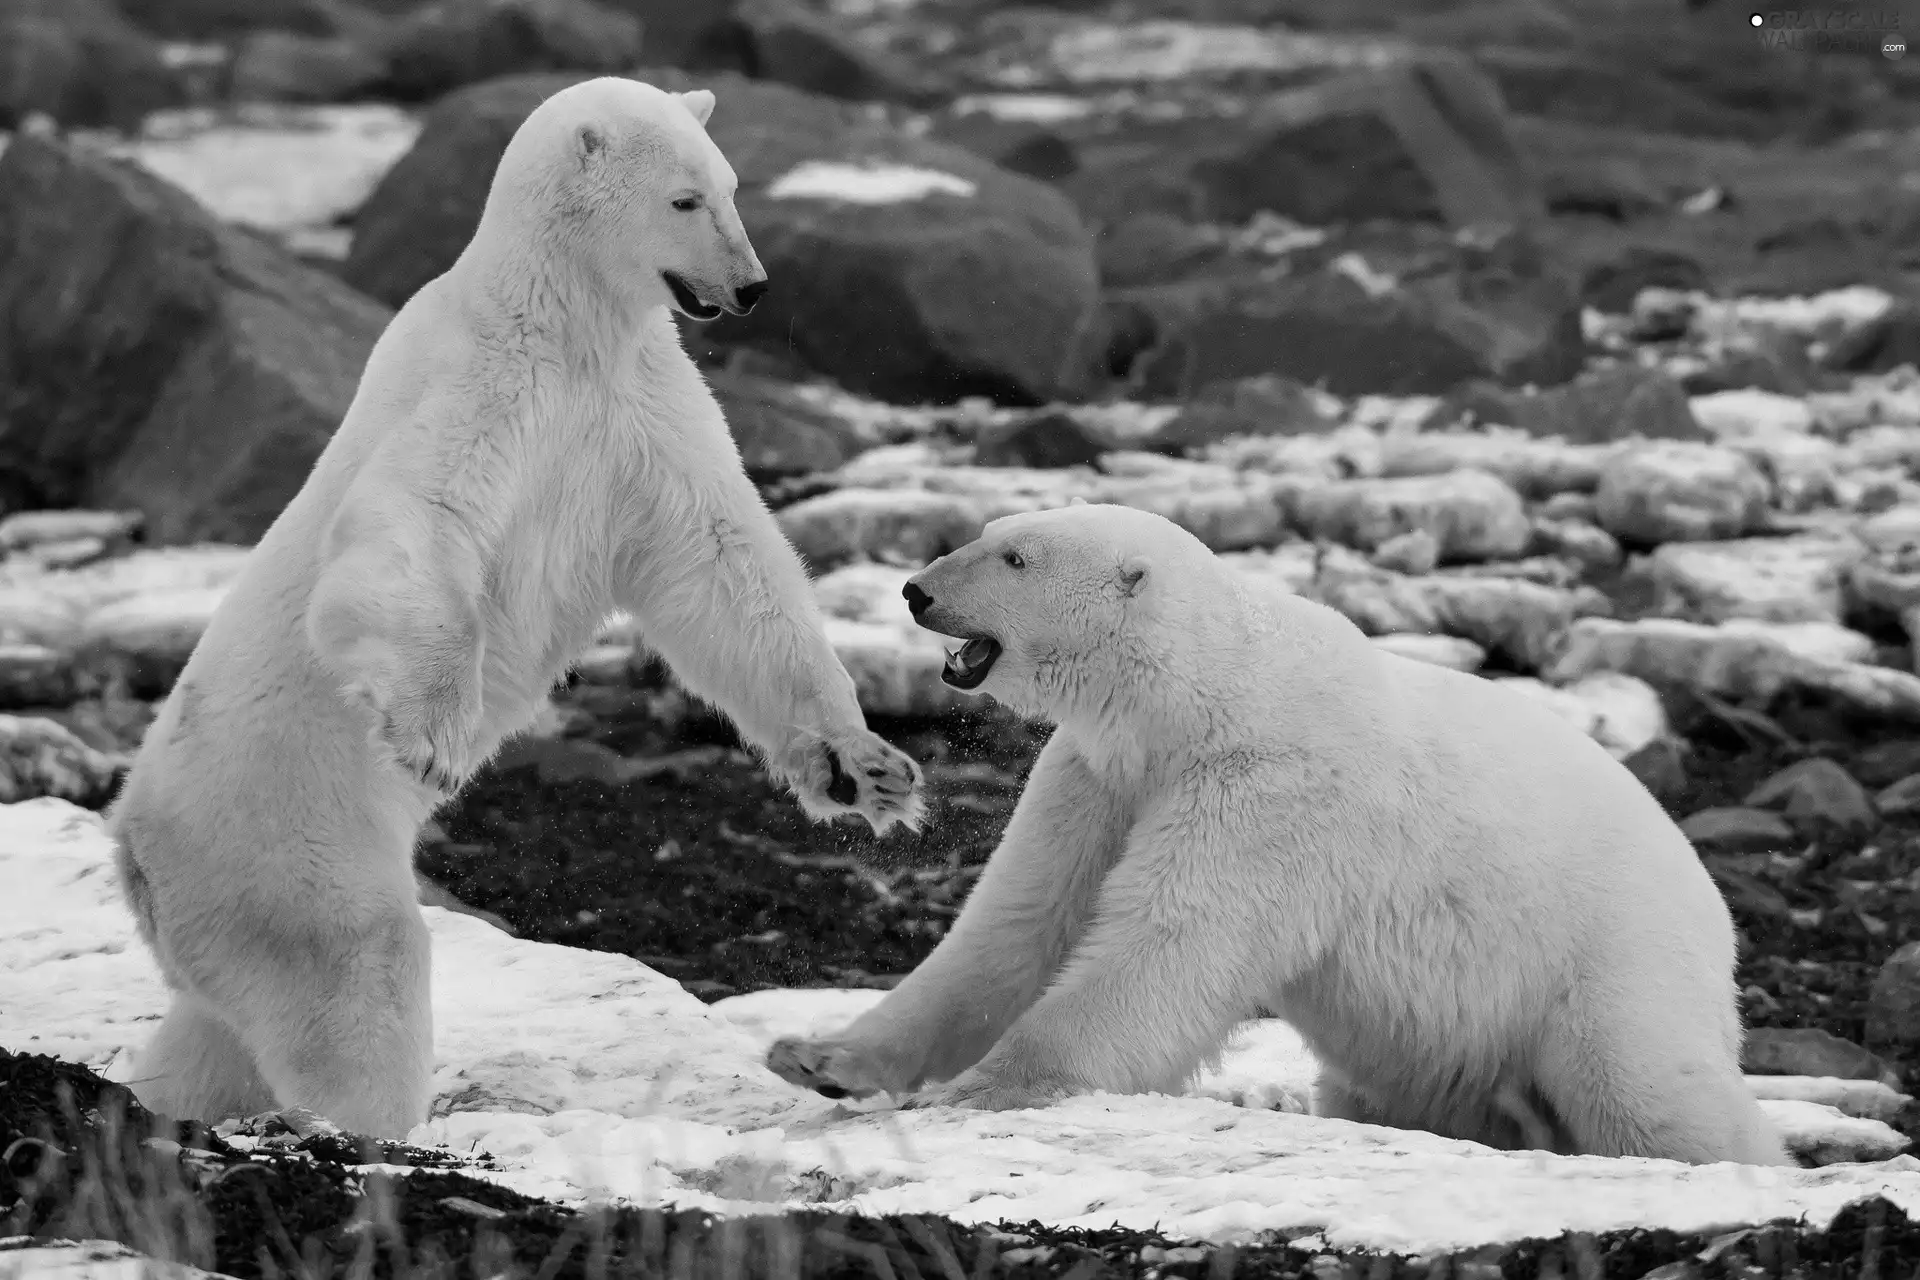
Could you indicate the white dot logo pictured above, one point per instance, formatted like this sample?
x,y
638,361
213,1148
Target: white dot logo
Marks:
x,y
1895,47
1756,20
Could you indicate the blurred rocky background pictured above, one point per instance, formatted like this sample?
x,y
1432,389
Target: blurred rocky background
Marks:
x,y
1570,345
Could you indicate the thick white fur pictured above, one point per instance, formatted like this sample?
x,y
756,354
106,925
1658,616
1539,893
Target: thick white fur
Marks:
x,y
530,449
1481,923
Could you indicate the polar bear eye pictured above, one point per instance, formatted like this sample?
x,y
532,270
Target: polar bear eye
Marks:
x,y
1014,560
687,204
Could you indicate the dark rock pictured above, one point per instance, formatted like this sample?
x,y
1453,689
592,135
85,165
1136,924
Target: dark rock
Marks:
x,y
1045,156
1900,799
1886,762
1816,793
991,293
779,431
1893,1005
1661,766
781,41
1767,360
1598,407
33,675
1154,248
154,359
1608,187
80,62
1885,342
1019,145
1268,405
446,44
1577,85
1809,1051
1738,830
1048,438
1612,285
209,20
1499,313
288,66
1424,139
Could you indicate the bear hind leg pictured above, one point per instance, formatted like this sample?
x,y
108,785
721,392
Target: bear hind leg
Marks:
x,y
1669,1101
196,1068
352,1038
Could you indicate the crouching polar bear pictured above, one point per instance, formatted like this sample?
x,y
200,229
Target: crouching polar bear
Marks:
x,y
530,448
1481,924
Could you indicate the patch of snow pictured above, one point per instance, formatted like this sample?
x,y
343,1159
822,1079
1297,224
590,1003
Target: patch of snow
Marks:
x,y
866,183
180,55
273,168
1749,412
1808,316
588,1074
1172,50
91,1260
1025,108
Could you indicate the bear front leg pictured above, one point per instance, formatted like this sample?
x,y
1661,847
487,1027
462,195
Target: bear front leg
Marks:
x,y
1025,914
1192,931
721,595
406,642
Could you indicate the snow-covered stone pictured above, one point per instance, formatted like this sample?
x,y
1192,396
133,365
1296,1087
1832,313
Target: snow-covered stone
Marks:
x,y
1620,712
1732,663
1442,651
1533,467
1471,515
1749,412
1794,579
1519,619
1677,491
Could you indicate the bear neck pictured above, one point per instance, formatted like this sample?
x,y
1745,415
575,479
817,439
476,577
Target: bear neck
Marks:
x,y
537,278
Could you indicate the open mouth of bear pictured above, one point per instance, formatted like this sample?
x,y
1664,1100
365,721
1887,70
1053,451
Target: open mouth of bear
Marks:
x,y
684,298
968,665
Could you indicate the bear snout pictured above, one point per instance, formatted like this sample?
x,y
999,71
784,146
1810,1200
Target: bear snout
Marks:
x,y
748,294
918,601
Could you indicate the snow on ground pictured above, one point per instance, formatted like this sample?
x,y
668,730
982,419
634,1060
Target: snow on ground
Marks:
x,y
273,168
866,183
588,1074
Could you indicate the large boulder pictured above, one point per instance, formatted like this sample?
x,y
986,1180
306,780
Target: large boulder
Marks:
x,y
1424,139
784,41
1500,312
154,359
80,62
447,44
779,430
901,267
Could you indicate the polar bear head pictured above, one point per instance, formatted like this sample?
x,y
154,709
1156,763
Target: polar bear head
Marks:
x,y
620,178
1071,614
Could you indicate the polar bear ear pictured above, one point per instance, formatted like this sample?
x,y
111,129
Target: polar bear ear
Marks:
x,y
700,103
1132,576
1076,501
589,140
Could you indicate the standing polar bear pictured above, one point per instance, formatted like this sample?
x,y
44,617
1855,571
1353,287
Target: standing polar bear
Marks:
x,y
1481,923
529,450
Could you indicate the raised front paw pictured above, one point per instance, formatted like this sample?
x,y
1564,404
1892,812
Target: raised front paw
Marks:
x,y
429,735
831,1068
860,772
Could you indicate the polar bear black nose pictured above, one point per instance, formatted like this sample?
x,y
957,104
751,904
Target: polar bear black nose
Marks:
x,y
748,294
918,600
